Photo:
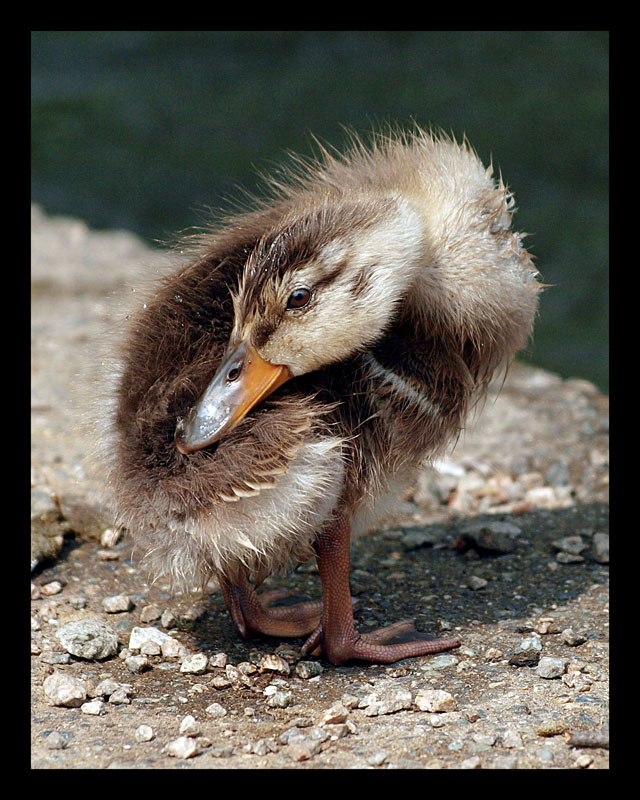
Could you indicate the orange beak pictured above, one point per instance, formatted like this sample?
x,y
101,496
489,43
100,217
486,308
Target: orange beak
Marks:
x,y
241,382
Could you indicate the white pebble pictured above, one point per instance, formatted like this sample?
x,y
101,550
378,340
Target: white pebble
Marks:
x,y
183,747
215,710
435,700
144,733
64,690
93,707
195,664
189,726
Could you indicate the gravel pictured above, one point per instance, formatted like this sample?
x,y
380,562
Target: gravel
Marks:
x,y
504,542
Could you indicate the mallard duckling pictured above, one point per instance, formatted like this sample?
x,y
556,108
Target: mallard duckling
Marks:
x,y
313,352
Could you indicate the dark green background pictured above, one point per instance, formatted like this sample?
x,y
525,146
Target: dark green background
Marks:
x,y
139,129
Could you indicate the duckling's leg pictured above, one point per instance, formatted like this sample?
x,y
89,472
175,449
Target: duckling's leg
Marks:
x,y
340,640
251,613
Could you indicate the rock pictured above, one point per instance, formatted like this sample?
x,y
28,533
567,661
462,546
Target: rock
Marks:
x,y
117,603
573,639
61,689
497,537
150,614
137,664
218,660
525,658
475,582
94,708
274,663
601,548
335,715
196,664
89,638
435,700
216,711
183,747
570,544
189,726
280,699
144,733
106,688
530,643
551,667
51,588
57,740
308,669
140,635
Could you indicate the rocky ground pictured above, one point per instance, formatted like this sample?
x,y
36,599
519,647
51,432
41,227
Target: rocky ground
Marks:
x,y
504,542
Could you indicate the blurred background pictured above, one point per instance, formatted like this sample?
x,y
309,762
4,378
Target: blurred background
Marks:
x,y
143,129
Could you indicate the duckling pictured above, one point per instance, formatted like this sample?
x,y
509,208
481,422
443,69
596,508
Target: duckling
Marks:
x,y
315,350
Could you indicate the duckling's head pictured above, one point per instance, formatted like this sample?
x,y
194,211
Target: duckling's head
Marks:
x,y
319,287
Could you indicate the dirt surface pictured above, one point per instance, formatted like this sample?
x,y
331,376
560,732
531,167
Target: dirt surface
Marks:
x,y
505,543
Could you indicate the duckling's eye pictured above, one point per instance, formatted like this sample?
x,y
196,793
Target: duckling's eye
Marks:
x,y
299,298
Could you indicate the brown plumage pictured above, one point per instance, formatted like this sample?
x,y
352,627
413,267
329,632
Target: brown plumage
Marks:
x,y
313,352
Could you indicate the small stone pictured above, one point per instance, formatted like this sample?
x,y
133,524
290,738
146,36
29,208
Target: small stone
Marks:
x,y
216,711
168,619
144,733
442,661
189,726
377,759
93,707
172,648
530,643
498,537
601,548
471,763
247,668
137,664
220,682
435,700
89,638
122,695
51,588
511,739
274,663
551,727
150,614
150,648
117,604
570,544
571,638
57,741
77,602
140,635
61,689
335,715
53,658
301,750
196,664
525,658
280,699
109,537
107,555
183,747
308,669
105,688
474,582
551,667
218,660
569,558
